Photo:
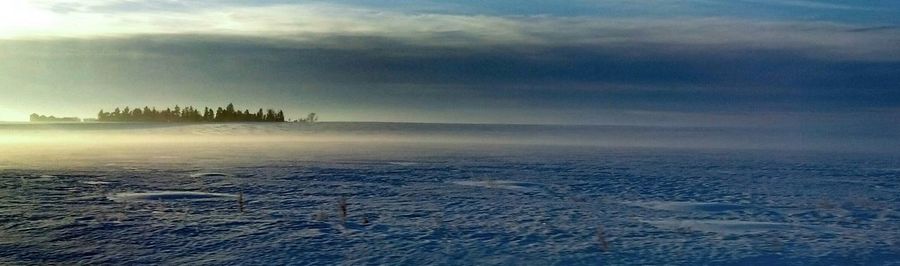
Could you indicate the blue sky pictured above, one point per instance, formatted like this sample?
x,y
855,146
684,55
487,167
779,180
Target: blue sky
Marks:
x,y
865,11
662,62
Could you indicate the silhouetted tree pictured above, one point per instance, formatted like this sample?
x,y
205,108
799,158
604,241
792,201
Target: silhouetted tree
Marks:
x,y
208,114
189,114
116,114
44,118
311,118
270,115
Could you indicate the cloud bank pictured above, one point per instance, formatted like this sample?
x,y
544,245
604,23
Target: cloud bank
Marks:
x,y
448,63
311,22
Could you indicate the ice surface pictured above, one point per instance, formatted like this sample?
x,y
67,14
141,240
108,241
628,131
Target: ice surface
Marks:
x,y
458,204
404,163
167,195
724,226
91,182
687,206
503,184
210,175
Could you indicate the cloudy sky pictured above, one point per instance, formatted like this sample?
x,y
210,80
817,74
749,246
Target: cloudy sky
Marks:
x,y
653,62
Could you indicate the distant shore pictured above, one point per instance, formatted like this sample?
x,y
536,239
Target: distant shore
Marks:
x,y
177,114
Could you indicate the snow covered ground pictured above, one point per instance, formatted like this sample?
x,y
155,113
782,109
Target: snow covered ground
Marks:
x,y
446,203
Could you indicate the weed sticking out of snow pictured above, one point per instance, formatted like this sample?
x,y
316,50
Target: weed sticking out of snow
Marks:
x,y
601,239
241,201
342,207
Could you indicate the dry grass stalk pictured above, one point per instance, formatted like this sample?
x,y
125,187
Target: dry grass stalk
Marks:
x,y
241,201
342,206
601,239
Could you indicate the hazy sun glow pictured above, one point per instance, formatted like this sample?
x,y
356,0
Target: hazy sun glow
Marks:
x,y
10,115
18,17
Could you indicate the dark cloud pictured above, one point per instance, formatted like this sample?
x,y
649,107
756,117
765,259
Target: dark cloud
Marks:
x,y
876,28
378,73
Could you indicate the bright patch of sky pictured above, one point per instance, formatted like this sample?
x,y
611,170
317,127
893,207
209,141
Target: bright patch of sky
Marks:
x,y
864,11
354,59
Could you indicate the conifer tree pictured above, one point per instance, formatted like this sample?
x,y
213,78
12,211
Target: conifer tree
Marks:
x,y
189,114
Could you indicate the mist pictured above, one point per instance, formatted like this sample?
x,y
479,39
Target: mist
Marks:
x,y
93,143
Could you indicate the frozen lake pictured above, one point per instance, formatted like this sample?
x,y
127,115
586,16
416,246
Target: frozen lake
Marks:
x,y
385,193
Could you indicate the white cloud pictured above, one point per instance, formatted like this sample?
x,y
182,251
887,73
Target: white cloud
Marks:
x,y
811,4
306,22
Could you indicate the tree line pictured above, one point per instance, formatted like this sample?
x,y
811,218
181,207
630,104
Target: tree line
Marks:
x,y
44,118
190,114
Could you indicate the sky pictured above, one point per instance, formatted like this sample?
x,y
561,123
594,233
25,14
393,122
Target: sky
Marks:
x,y
620,62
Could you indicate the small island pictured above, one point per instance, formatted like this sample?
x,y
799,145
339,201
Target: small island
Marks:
x,y
181,114
190,114
44,118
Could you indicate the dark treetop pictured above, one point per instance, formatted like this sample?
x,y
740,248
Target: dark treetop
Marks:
x,y
44,118
190,114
